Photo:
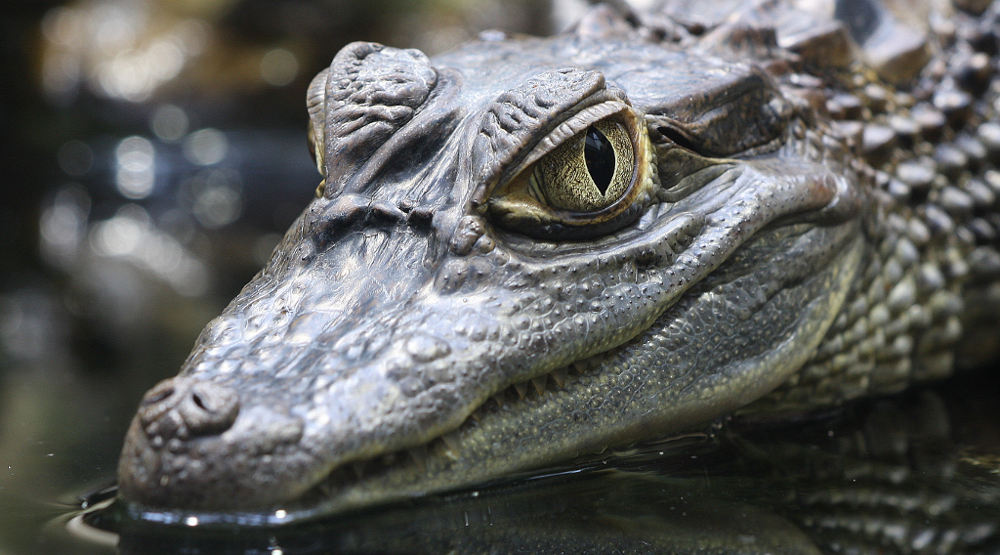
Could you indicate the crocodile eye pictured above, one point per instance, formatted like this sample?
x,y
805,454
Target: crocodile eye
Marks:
x,y
582,180
588,172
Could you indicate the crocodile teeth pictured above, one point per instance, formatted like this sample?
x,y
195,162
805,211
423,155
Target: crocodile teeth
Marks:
x,y
419,456
451,441
522,390
498,399
579,366
539,384
559,376
359,469
448,447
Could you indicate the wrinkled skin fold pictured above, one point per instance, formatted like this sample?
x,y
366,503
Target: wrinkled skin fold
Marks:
x,y
435,320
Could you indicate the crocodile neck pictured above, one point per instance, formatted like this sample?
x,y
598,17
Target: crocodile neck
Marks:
x,y
927,300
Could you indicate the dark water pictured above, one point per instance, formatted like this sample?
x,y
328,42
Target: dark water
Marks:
x,y
914,473
137,202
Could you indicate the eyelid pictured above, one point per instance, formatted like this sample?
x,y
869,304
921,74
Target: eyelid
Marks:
x,y
576,124
630,121
515,207
315,147
761,108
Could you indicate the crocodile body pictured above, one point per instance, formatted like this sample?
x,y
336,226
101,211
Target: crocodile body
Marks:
x,y
527,250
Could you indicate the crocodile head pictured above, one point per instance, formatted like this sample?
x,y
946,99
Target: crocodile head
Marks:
x,y
522,251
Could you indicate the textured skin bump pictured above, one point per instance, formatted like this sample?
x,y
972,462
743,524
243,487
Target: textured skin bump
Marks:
x,y
371,91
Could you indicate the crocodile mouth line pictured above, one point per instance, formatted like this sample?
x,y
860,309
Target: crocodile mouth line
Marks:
x,y
539,389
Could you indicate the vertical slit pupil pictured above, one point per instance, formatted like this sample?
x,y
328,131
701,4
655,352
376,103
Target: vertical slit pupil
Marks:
x,y
600,158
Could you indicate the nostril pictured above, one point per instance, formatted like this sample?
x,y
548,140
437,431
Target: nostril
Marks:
x,y
155,396
209,408
181,407
158,402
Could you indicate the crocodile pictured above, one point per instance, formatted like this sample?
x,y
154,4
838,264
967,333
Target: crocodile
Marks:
x,y
527,250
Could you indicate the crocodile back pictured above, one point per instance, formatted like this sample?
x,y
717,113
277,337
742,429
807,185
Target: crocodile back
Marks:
x,y
918,94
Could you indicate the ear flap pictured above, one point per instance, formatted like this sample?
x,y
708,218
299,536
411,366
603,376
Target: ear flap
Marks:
x,y
369,92
315,101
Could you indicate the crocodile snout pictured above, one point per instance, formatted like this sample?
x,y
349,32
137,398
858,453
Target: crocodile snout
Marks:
x,y
194,444
181,408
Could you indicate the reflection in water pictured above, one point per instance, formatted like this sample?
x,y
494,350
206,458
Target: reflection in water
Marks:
x,y
129,235
205,147
279,67
912,474
169,123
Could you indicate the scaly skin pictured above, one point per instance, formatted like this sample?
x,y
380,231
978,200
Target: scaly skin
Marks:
x,y
432,321
908,474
